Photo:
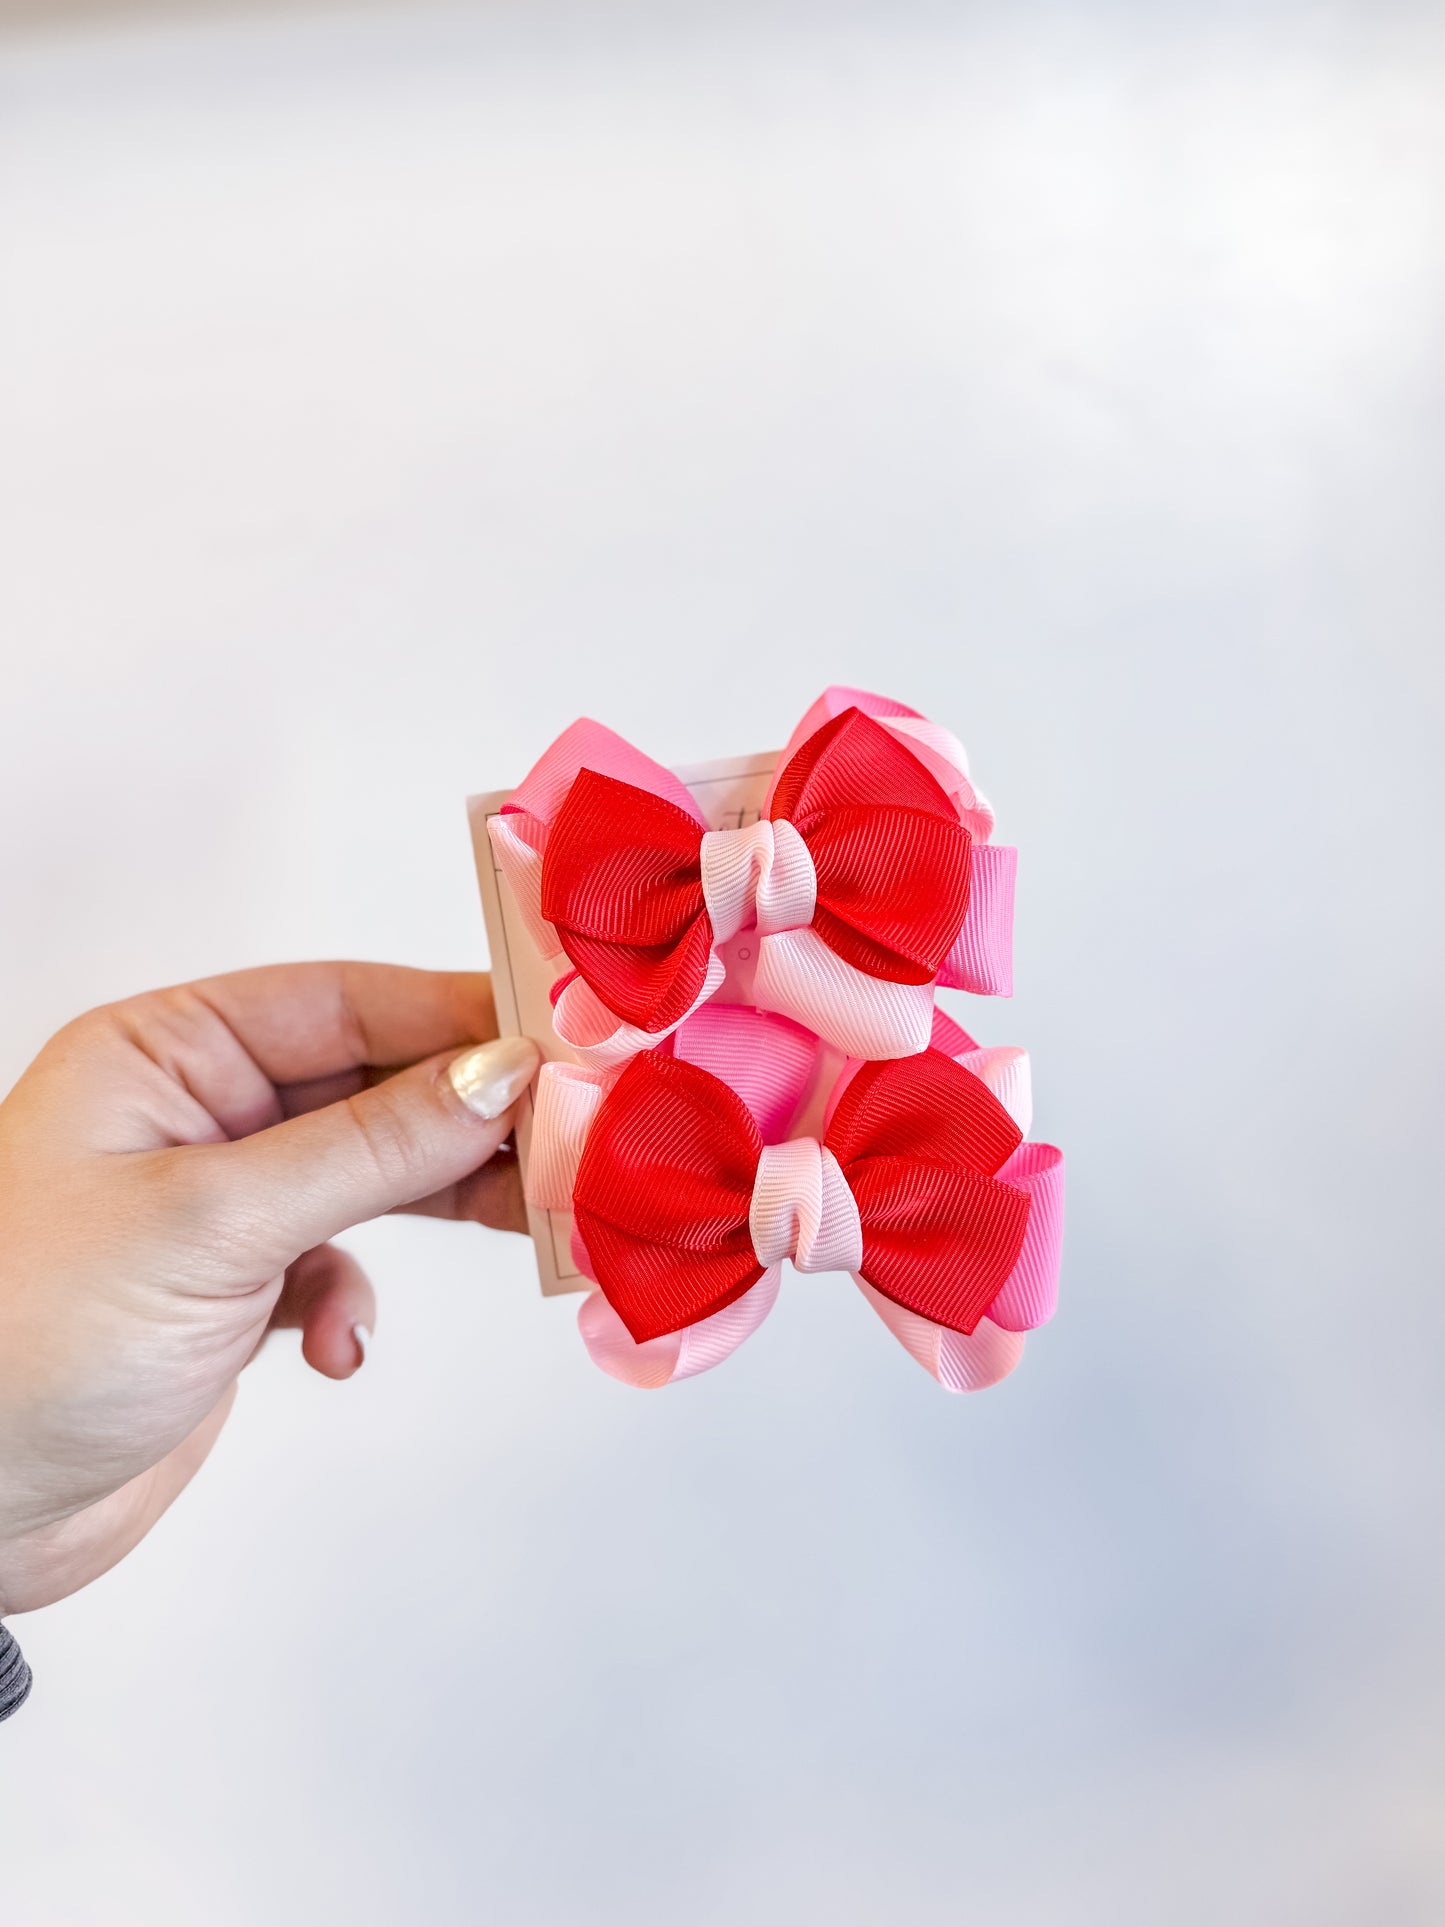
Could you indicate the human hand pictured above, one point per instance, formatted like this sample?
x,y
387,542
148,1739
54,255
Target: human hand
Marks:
x,y
171,1168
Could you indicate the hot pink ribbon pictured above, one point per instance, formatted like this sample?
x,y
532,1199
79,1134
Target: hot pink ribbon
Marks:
x,y
760,899
791,1086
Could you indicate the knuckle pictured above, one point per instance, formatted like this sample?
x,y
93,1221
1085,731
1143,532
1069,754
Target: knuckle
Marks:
x,y
167,1025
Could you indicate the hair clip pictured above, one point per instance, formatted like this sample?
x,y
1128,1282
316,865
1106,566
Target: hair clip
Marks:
x,y
694,1170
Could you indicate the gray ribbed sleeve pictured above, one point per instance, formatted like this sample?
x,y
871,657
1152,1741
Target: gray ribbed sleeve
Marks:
x,y
14,1675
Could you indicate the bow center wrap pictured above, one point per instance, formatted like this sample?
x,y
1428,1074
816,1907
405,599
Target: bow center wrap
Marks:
x,y
802,1209
763,873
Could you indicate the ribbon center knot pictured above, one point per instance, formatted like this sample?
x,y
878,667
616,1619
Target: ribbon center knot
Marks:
x,y
803,1209
762,873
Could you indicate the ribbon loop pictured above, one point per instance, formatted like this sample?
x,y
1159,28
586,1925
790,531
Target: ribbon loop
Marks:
x,y
566,1106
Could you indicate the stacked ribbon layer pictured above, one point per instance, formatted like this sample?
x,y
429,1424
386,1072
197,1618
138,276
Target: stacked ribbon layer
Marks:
x,y
869,879
823,1109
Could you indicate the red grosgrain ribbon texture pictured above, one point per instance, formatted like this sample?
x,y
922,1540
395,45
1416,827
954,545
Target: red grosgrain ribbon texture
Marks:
x,y
664,1192
622,876
892,859
622,887
868,880
801,1206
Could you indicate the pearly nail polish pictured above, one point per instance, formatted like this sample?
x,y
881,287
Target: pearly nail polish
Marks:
x,y
362,1334
491,1078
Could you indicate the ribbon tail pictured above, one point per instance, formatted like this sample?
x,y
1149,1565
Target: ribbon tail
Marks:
x,y
1031,1291
981,959
518,841
961,1362
800,977
680,1354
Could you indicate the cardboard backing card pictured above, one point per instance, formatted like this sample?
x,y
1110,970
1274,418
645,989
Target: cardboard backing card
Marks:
x,y
730,795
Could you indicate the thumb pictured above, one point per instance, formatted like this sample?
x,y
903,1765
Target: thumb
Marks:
x,y
313,1176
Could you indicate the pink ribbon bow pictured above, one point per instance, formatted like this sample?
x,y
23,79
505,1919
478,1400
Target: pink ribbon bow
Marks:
x,y
759,889
799,1208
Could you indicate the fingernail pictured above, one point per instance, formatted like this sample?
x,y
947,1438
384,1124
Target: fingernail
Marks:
x,y
490,1079
362,1335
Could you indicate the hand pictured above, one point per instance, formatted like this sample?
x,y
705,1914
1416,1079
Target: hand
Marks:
x,y
170,1170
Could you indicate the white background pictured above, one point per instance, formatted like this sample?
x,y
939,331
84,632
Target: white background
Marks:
x,y
378,392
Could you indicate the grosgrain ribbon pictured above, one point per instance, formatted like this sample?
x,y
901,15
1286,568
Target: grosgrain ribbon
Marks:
x,y
684,1211
868,879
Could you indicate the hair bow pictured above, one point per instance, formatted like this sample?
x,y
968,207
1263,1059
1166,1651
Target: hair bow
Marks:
x,y
868,879
686,1195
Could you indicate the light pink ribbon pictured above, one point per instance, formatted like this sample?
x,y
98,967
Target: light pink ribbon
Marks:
x,y
801,1209
760,890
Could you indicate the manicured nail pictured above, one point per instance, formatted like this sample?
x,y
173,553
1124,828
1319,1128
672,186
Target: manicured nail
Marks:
x,y
490,1079
362,1335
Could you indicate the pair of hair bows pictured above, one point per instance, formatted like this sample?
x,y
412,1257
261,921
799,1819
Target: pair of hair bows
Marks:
x,y
759,1068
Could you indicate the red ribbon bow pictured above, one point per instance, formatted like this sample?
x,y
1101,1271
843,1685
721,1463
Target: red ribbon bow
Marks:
x,y
665,1183
622,872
